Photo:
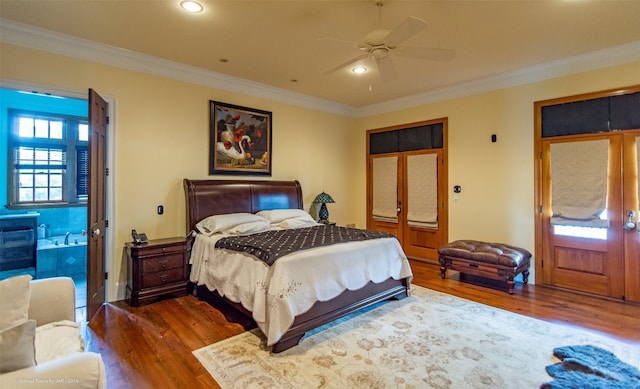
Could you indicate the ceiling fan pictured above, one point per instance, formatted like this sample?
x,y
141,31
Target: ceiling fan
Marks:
x,y
380,44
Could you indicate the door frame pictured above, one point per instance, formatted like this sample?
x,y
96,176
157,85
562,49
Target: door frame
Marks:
x,y
113,287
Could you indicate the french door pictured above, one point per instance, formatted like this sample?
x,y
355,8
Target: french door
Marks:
x,y
417,213
407,185
601,255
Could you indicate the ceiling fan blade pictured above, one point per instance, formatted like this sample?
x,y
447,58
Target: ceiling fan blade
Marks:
x,y
405,30
443,55
344,64
386,69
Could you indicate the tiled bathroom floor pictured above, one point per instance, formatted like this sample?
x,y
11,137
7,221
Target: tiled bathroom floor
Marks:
x,y
81,299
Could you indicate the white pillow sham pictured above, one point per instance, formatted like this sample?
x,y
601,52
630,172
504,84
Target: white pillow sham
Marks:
x,y
249,228
17,346
15,296
278,215
222,223
296,222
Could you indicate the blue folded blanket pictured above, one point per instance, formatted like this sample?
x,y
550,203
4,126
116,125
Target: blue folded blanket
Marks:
x,y
590,367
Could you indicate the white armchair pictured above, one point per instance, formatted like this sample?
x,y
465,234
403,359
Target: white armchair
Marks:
x,y
60,360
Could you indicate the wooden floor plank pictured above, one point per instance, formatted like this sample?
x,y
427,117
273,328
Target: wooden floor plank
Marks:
x,y
150,346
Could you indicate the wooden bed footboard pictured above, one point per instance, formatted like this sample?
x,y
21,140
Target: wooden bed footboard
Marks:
x,y
349,301
322,312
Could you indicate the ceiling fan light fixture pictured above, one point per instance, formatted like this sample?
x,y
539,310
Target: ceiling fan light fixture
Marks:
x,y
379,52
191,6
359,69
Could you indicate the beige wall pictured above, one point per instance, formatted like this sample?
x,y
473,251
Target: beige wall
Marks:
x,y
161,136
497,179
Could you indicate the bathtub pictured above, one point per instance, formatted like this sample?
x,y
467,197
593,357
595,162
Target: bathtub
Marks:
x,y
57,242
54,258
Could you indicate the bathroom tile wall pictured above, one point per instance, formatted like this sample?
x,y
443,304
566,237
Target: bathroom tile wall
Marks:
x,y
62,260
67,261
59,221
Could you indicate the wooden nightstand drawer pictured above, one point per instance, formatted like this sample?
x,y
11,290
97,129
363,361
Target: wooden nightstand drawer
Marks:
x,y
148,251
165,262
162,278
156,269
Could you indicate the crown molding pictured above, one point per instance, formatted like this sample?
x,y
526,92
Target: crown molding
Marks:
x,y
53,42
612,56
45,40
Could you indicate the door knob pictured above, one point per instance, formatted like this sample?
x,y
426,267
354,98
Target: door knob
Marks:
x,y
630,225
95,232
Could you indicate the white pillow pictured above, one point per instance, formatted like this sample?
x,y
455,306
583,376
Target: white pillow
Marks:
x,y
278,215
296,222
222,223
249,228
15,295
17,346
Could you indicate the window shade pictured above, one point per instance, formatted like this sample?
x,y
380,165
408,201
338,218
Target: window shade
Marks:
x,y
579,182
425,137
422,189
625,111
578,117
619,112
385,189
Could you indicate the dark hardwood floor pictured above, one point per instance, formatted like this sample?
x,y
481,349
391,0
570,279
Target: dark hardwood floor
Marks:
x,y
150,346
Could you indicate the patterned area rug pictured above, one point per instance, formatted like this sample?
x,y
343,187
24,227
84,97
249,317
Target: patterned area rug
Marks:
x,y
429,340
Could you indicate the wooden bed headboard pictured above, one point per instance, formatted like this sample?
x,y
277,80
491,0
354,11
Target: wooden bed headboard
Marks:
x,y
215,197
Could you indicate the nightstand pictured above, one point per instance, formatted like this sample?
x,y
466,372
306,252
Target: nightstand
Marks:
x,y
156,269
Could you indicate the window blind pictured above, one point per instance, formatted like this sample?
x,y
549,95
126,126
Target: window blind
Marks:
x,y
385,189
579,182
82,171
422,190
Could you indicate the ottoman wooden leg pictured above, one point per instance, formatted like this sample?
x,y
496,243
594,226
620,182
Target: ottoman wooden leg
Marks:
x,y
510,284
525,276
443,269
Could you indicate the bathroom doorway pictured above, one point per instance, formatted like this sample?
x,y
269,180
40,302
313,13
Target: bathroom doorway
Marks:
x,y
46,179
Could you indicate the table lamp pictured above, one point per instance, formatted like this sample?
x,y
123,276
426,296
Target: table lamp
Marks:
x,y
323,198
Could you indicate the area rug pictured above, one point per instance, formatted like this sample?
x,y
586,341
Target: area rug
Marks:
x,y
428,340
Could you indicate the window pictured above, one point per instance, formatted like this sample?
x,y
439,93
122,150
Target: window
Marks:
x,y
49,159
579,172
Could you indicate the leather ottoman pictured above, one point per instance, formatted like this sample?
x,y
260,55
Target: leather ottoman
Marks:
x,y
492,260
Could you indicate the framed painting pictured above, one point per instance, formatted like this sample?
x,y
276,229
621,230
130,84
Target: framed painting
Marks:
x,y
240,140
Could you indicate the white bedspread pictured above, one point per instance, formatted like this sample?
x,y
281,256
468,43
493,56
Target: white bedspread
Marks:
x,y
296,281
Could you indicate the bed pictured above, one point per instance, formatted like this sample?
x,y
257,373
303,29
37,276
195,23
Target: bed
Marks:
x,y
205,198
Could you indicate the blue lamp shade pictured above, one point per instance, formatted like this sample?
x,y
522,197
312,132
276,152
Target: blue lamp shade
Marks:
x,y
323,198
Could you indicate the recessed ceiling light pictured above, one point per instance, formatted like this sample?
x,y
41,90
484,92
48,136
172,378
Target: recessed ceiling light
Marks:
x,y
359,70
192,6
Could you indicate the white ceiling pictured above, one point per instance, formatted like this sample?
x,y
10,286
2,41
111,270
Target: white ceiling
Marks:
x,y
275,42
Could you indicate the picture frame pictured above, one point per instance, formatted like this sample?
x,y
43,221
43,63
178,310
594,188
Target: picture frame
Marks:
x,y
239,140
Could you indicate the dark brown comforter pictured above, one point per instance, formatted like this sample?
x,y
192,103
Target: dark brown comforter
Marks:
x,y
271,245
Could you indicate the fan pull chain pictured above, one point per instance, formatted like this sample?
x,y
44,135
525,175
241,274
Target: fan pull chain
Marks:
x,y
379,4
